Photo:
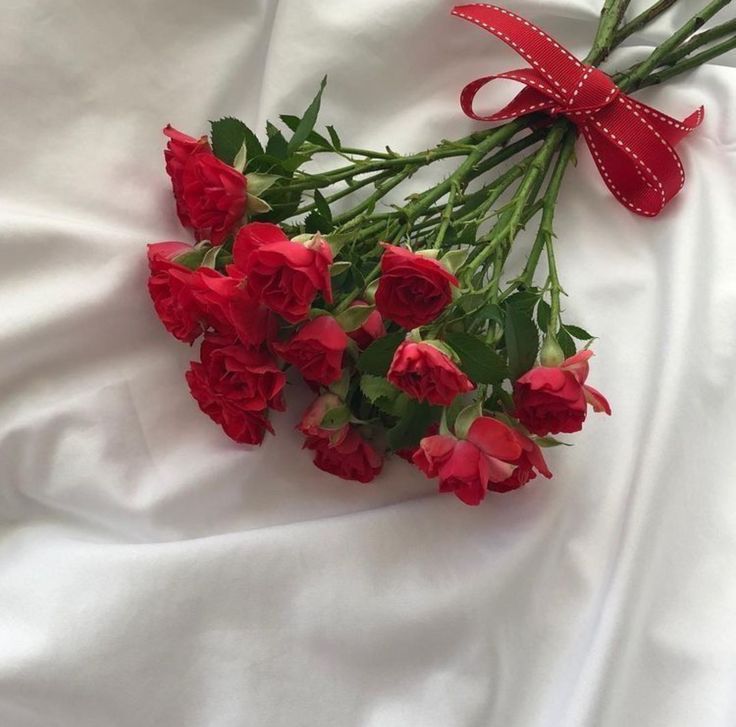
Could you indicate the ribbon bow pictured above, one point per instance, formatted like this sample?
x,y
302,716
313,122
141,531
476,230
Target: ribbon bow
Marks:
x,y
632,144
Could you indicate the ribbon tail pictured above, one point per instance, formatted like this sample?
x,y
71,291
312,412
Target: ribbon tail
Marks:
x,y
631,182
671,129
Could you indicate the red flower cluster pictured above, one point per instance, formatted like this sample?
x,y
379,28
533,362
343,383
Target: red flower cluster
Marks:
x,y
262,301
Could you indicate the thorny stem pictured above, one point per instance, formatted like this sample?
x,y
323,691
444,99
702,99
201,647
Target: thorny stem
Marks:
x,y
642,20
671,44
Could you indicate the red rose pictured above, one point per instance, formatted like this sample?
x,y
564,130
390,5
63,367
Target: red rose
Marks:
x,y
229,308
370,330
427,374
235,386
412,290
285,275
316,350
487,459
352,459
529,463
179,149
551,399
214,196
313,416
170,287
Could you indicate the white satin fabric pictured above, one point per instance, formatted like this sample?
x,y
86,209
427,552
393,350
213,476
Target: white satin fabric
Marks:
x,y
152,573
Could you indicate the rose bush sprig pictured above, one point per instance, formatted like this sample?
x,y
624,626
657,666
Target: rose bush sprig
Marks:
x,y
403,318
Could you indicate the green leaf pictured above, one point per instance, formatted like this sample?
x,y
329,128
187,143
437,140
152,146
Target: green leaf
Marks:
x,y
334,138
376,359
566,343
276,146
354,317
339,267
336,242
241,158
321,205
491,312
256,205
191,259
314,222
259,183
580,333
471,301
451,413
466,417
377,387
336,418
210,258
478,359
228,136
524,300
522,338
413,425
543,314
313,137
454,259
551,442
307,122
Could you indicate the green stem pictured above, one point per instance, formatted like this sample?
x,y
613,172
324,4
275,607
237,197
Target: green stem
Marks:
x,y
642,20
671,44
381,191
550,198
701,39
446,217
688,64
346,192
611,16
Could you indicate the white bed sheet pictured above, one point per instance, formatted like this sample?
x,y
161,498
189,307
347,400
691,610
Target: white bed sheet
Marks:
x,y
153,573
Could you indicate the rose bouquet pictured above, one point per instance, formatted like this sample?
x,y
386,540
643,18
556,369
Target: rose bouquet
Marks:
x,y
405,319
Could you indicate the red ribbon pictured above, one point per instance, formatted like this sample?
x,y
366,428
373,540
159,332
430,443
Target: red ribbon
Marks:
x,y
632,144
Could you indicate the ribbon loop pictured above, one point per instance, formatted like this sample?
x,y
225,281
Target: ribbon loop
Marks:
x,y
632,144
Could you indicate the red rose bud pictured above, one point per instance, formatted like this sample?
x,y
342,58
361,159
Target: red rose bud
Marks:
x,y
170,287
179,149
235,386
230,309
316,350
489,458
412,289
286,275
427,374
550,400
213,197
315,414
370,330
352,459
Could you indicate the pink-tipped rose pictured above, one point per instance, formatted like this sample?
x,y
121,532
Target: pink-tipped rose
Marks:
x,y
492,456
554,399
427,374
285,275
